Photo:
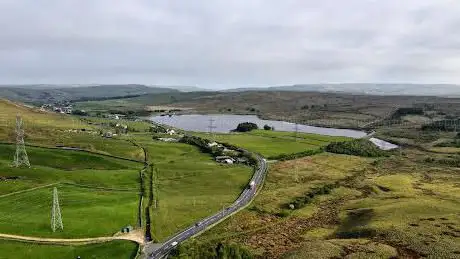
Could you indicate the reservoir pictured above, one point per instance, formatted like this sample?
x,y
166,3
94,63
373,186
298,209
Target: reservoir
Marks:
x,y
224,123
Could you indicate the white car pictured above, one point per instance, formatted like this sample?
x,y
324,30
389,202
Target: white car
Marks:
x,y
174,243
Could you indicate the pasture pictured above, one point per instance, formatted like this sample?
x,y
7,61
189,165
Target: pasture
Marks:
x,y
274,143
109,250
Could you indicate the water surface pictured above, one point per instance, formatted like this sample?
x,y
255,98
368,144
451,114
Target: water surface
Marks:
x,y
225,123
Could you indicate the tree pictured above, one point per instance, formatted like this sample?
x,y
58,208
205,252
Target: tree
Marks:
x,y
266,127
79,113
246,126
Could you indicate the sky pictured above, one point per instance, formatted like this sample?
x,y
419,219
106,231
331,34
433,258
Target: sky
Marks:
x,y
223,44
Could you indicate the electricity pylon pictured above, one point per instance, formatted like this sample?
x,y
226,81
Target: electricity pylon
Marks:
x,y
296,167
296,131
211,127
20,158
56,219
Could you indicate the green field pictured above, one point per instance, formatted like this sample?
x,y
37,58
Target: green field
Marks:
x,y
85,212
274,143
99,193
54,165
191,185
114,249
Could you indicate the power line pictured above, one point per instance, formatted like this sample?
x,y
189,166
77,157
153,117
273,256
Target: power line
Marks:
x,y
296,131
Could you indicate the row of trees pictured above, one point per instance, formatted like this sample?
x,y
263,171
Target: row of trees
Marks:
x,y
203,145
248,126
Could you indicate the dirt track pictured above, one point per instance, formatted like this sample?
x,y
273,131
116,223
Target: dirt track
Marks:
x,y
135,236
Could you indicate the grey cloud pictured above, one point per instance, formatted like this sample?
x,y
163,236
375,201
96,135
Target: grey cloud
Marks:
x,y
217,43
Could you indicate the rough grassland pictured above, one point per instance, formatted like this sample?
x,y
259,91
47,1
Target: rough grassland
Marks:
x,y
383,208
115,250
273,143
259,227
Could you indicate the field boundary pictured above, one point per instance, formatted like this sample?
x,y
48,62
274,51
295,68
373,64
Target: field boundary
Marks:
x,y
63,241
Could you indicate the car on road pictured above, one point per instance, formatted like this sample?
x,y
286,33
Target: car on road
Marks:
x,y
174,243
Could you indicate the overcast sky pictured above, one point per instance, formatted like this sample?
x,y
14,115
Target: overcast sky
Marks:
x,y
231,43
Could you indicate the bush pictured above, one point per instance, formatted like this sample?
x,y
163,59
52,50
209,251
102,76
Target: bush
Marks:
x,y
266,127
79,113
246,126
357,147
407,111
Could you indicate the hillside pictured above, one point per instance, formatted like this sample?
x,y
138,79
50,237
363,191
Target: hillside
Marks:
x,y
446,90
44,95
107,182
314,108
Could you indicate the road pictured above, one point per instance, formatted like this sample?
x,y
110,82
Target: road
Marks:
x,y
245,197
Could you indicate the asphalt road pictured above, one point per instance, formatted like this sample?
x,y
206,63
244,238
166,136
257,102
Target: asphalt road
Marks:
x,y
245,197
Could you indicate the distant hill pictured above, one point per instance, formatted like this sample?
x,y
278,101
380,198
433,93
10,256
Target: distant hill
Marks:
x,y
40,94
446,90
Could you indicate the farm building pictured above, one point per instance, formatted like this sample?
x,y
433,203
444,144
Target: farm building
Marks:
x,y
225,159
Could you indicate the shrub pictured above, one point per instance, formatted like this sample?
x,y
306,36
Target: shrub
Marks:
x,y
246,126
79,112
266,127
407,111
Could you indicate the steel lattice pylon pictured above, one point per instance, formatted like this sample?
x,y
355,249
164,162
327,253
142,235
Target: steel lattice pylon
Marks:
x,y
20,158
56,219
